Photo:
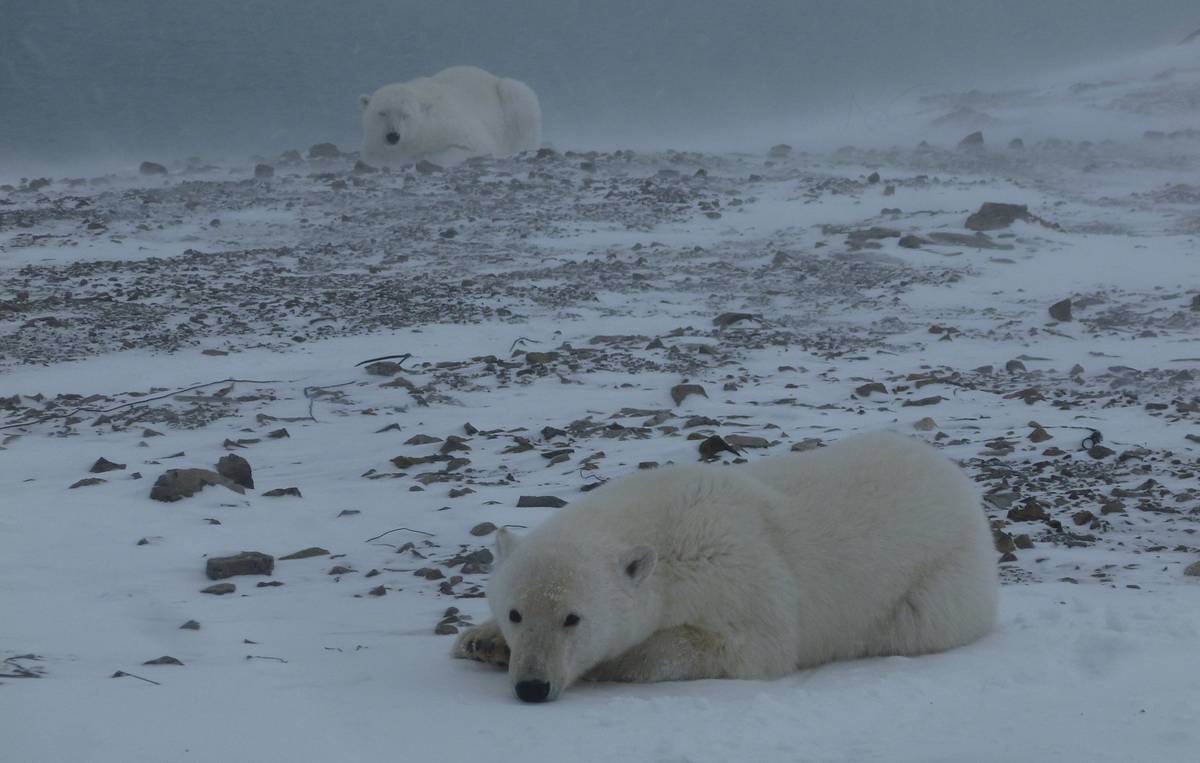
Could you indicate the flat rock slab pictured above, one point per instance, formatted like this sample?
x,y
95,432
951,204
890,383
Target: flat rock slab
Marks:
x,y
995,215
176,484
220,589
306,553
540,502
245,563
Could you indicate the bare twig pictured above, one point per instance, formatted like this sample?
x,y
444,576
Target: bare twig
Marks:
x,y
521,340
123,674
398,529
402,357
263,657
322,388
140,401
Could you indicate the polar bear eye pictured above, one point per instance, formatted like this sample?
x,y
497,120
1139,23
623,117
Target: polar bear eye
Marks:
x,y
571,621
514,616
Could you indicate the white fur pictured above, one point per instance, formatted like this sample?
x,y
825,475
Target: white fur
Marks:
x,y
874,546
457,113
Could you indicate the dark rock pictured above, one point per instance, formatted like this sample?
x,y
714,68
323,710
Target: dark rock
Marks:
x,y
459,492
1029,511
974,241
865,390
873,178
973,142
483,528
378,591
711,446
747,441
104,465
264,171
779,151
245,563
1083,517
540,358
362,168
996,216
1014,366
445,629
383,368
164,660
278,434
268,584
1004,542
1023,542
1016,144
152,168
422,439
236,468
220,589
175,484
1061,310
86,481
190,625
323,151
647,465
339,569
1009,557
453,443
1039,435
427,168
681,392
282,491
912,242
925,424
1099,451
540,502
1112,507
724,320
306,553
808,443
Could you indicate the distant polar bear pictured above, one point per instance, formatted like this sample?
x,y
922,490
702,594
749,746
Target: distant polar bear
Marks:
x,y
874,546
457,113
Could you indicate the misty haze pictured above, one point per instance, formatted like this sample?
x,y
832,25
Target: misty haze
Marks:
x,y
371,372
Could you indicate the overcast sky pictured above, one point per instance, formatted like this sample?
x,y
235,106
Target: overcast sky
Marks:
x,y
228,76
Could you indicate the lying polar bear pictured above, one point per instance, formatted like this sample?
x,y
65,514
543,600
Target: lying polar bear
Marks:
x,y
457,113
875,546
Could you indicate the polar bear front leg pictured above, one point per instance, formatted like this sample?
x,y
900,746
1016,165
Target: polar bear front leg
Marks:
x,y
683,653
483,643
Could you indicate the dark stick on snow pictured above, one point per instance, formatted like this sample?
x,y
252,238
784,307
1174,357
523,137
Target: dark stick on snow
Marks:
x,y
312,400
264,657
521,340
402,357
123,674
140,401
398,529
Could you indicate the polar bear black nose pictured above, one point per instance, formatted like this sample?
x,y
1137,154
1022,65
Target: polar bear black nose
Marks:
x,y
392,138
533,691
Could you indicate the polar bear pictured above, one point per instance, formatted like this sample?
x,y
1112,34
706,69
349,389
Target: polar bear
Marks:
x,y
874,546
457,113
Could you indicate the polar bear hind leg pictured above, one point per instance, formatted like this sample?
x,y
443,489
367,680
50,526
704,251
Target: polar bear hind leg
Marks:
x,y
522,115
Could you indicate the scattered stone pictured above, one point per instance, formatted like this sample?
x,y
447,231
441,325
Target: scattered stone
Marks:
x,y
926,424
427,168
1029,511
912,242
1014,366
422,439
175,484
349,512
808,443
1099,451
152,168
220,589
540,502
973,142
725,320
1193,570
245,563
933,400
540,358
747,441
104,465
1009,557
865,390
236,468
323,151
1023,541
1039,435
86,481
378,591
681,392
459,492
711,446
268,584
190,625
483,528
1061,310
339,569
779,151
278,434
306,553
647,465
1004,542
445,629
1016,144
263,171
996,216
164,660
1083,517
282,491
1112,507
873,178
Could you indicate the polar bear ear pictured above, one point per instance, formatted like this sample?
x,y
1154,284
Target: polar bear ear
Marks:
x,y
638,562
506,543
365,101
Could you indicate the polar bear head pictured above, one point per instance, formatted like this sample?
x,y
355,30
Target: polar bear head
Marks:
x,y
565,607
392,123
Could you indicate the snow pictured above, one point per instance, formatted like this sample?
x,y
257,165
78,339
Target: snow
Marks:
x,y
1095,656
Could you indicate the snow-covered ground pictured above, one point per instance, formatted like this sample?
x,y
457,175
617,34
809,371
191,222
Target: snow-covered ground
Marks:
x,y
549,304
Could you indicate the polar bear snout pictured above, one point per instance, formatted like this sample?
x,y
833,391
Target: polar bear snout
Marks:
x,y
533,691
392,138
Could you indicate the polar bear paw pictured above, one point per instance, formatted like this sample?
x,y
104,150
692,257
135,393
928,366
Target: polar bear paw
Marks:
x,y
483,643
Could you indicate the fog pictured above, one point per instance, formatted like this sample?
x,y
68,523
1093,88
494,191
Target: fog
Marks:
x,y
81,80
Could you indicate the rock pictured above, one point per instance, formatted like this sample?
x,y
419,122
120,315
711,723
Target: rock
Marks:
x,y
175,484
540,502
1083,517
975,241
340,569
996,216
681,392
383,368
925,425
282,491
711,446
422,439
1029,511
427,168
268,584
647,465
164,660
540,358
445,629
724,320
1004,542
236,468
1023,541
1061,310
1099,451
865,390
483,528
747,441
1014,366
362,168
459,492
808,443
1112,507
1016,144
1039,435
220,589
264,171
323,151
87,481
190,625
1009,557
152,168
1193,570
378,591
245,563
104,465
973,142
779,151
912,242
873,178
305,553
